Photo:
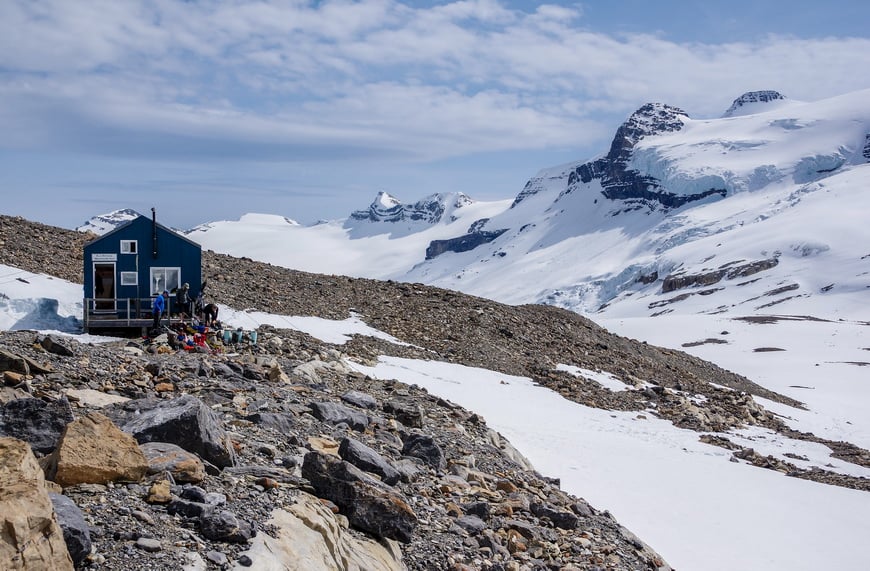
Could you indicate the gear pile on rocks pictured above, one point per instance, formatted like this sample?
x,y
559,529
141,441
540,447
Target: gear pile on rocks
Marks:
x,y
279,455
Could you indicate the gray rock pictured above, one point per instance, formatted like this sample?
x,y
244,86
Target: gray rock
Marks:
x,y
409,468
12,362
254,372
76,533
360,399
217,558
194,494
205,369
424,447
224,370
54,346
480,509
215,499
187,508
225,526
279,422
35,421
148,544
368,459
491,541
561,519
407,412
185,421
335,413
368,504
471,523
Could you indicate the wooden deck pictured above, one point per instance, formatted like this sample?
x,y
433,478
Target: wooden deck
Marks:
x,y
128,314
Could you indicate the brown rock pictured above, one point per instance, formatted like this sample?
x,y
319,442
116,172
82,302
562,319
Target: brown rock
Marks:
x,y
159,493
322,444
164,387
92,450
30,538
12,378
506,486
516,542
165,457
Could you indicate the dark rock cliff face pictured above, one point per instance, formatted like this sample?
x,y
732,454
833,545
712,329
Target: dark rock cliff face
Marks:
x,y
621,183
461,243
867,146
385,208
728,271
753,97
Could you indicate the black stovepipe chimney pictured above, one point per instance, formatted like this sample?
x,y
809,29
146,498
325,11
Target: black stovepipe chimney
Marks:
x,y
154,232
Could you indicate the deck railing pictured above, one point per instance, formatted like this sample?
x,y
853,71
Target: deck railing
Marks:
x,y
120,312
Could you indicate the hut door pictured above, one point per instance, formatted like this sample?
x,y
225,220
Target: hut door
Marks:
x,y
104,286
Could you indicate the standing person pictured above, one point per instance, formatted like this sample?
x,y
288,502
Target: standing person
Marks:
x,y
182,300
158,308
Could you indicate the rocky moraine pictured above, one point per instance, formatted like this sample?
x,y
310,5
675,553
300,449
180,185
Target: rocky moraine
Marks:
x,y
279,455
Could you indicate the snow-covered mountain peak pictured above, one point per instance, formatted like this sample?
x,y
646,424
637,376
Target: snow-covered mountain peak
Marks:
x,y
105,223
386,212
755,102
651,119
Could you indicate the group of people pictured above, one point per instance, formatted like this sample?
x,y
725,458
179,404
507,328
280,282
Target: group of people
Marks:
x,y
185,306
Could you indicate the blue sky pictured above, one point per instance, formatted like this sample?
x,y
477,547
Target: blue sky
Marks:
x,y
207,110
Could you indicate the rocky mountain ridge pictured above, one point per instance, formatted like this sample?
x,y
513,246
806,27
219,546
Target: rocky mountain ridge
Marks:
x,y
428,210
750,97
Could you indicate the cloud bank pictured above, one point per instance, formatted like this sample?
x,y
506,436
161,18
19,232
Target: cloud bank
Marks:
x,y
301,80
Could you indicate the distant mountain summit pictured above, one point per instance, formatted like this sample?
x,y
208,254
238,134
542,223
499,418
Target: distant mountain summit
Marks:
x,y
387,208
753,102
619,181
105,223
762,209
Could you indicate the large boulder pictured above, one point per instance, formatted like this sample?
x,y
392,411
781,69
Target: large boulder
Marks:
x,y
369,504
52,345
12,362
30,537
225,526
185,421
335,413
21,364
425,448
406,411
92,450
367,459
37,422
278,421
76,532
309,537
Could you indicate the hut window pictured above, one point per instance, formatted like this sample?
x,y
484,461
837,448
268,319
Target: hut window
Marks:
x,y
129,247
129,278
168,279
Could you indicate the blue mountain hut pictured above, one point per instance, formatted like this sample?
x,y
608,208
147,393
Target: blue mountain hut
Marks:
x,y
128,267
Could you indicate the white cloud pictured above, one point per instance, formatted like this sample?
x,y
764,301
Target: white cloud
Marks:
x,y
447,80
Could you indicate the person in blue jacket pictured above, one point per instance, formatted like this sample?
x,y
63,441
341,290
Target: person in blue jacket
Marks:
x,y
158,308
